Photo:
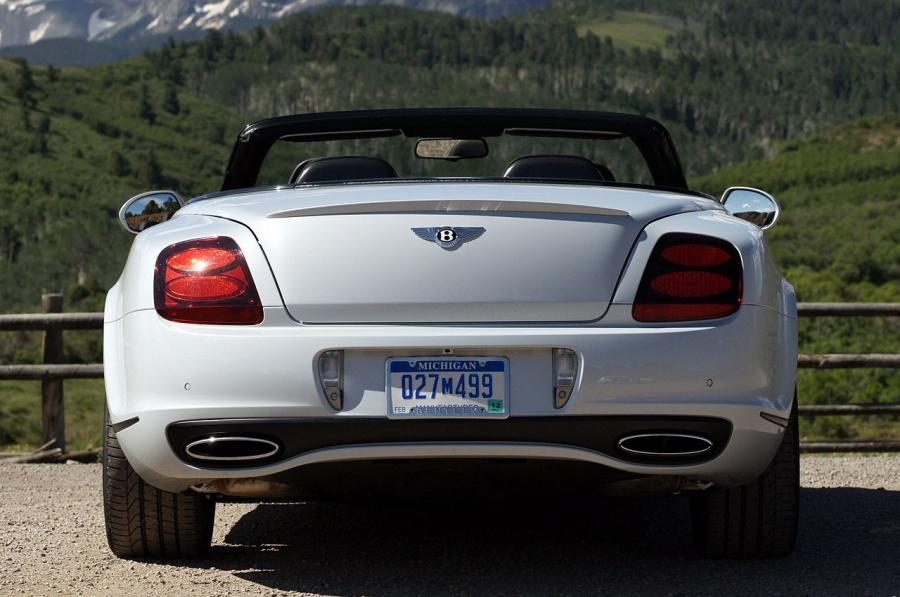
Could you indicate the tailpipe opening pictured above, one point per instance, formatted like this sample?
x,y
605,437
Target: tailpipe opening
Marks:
x,y
664,445
229,448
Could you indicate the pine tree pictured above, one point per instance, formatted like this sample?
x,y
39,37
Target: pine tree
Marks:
x,y
170,101
153,171
145,108
120,165
26,118
23,86
43,133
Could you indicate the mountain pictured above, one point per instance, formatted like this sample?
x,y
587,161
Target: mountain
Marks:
x,y
26,22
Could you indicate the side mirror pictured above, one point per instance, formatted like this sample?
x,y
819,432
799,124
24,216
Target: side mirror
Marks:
x,y
753,205
148,209
451,149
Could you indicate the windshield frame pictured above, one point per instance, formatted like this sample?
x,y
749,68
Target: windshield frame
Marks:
x,y
651,138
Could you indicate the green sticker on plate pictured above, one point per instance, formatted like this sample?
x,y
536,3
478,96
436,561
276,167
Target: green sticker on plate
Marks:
x,y
495,406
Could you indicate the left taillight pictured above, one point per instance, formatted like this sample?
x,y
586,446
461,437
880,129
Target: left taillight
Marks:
x,y
206,281
689,277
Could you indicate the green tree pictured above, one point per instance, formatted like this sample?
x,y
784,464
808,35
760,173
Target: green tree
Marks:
x,y
23,84
153,171
170,100
120,165
42,135
25,114
145,108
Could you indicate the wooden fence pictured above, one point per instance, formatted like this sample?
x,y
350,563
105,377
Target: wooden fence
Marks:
x,y
53,371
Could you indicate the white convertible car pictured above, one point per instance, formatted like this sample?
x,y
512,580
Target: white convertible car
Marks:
x,y
449,303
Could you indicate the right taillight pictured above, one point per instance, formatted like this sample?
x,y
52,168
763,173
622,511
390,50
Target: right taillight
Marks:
x,y
206,281
689,277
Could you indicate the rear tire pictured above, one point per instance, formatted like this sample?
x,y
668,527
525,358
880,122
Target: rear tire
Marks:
x,y
756,520
143,521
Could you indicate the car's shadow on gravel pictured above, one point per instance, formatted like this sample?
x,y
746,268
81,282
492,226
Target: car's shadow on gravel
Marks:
x,y
850,541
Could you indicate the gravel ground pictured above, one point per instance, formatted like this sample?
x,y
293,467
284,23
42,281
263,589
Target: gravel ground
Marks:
x,y
52,542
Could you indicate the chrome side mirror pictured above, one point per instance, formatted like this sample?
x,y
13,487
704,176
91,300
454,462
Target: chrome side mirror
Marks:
x,y
753,205
148,209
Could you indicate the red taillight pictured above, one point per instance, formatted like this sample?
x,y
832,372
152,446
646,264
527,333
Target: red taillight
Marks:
x,y
204,288
695,255
690,284
689,277
206,281
201,259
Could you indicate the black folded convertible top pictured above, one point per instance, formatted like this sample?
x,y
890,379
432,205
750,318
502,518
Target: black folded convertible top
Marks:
x,y
651,138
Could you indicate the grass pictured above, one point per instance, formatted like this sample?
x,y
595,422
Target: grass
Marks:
x,y
20,414
630,29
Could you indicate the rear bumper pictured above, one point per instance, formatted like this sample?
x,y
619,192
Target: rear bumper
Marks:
x,y
728,370
297,437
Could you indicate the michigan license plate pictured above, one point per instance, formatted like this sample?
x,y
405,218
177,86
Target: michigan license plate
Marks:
x,y
440,387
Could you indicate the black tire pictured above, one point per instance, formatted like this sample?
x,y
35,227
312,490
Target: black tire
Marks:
x,y
756,520
145,522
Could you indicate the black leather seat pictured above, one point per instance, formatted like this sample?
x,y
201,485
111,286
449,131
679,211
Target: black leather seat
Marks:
x,y
334,169
566,167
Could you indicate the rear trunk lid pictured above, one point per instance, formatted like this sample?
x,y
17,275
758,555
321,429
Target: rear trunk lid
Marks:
x,y
367,253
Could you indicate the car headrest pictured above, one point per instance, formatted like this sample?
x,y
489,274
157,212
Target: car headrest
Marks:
x,y
554,166
605,172
338,168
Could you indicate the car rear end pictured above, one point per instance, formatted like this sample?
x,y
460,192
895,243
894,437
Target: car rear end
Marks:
x,y
258,338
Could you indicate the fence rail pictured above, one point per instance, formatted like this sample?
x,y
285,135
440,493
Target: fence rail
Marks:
x,y
880,408
51,321
40,372
849,446
52,372
848,309
848,361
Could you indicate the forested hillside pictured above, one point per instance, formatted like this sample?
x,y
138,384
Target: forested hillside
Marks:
x,y
757,93
731,79
726,92
76,144
838,240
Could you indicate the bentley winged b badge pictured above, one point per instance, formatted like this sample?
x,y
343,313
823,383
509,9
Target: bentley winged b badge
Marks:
x,y
448,238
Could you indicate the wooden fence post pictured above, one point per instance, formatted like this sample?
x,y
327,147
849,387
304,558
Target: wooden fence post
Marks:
x,y
53,413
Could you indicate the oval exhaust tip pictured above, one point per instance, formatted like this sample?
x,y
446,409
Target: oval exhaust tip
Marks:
x,y
665,444
232,448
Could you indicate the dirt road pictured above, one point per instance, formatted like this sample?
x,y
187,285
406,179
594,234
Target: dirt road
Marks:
x,y
52,542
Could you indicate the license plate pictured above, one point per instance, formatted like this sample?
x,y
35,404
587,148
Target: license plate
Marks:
x,y
447,387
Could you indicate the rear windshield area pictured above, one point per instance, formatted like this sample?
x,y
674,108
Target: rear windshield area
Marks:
x,y
615,159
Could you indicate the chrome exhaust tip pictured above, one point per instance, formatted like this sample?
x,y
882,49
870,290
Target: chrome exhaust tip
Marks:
x,y
676,445
232,448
